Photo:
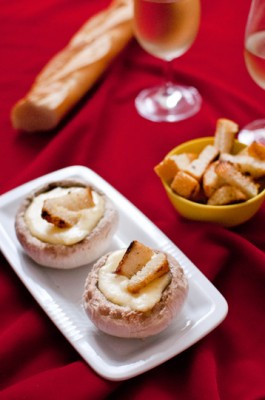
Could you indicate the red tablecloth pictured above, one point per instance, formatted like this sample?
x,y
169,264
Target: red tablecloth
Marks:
x,y
106,134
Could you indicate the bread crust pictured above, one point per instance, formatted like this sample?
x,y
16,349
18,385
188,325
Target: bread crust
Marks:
x,y
124,322
67,256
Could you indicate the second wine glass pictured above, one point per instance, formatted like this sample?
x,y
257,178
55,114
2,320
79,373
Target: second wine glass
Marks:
x,y
167,29
254,55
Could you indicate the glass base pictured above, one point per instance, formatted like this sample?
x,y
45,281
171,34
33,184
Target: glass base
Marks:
x,y
168,103
255,131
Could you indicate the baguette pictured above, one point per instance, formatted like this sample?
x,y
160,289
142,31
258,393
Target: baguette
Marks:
x,y
74,70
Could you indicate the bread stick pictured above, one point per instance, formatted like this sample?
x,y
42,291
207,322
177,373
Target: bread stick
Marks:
x,y
74,70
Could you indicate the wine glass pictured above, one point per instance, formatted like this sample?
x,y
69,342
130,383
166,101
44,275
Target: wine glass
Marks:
x,y
254,55
166,29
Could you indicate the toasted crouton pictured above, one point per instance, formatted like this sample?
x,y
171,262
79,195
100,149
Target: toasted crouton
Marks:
x,y
133,260
166,169
185,185
183,160
246,164
226,194
211,181
62,211
257,150
198,166
234,177
77,200
224,135
59,216
155,268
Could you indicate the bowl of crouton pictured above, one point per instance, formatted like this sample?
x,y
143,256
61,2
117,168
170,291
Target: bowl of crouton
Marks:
x,y
216,178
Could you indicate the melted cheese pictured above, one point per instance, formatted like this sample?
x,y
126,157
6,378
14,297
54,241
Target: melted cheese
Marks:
x,y
114,286
47,232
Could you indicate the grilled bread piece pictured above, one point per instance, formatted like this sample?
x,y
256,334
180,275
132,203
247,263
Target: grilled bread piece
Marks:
x,y
234,177
246,164
63,211
211,181
226,194
198,166
185,185
168,168
135,257
156,267
224,135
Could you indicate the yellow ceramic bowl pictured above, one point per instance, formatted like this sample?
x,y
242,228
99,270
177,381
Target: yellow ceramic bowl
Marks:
x,y
227,215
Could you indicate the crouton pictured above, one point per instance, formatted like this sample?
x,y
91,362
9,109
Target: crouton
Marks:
x,y
224,135
198,166
226,194
211,181
246,164
185,185
77,200
234,177
155,268
168,168
183,160
59,216
62,211
134,258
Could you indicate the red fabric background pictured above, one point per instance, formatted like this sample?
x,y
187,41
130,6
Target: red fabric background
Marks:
x,y
105,133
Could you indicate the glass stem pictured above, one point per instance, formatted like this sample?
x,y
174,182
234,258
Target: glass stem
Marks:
x,y
168,77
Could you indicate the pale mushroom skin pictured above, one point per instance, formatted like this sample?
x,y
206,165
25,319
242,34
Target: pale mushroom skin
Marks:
x,y
121,321
67,256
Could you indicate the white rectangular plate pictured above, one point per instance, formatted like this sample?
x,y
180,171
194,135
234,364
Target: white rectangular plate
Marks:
x,y
59,292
